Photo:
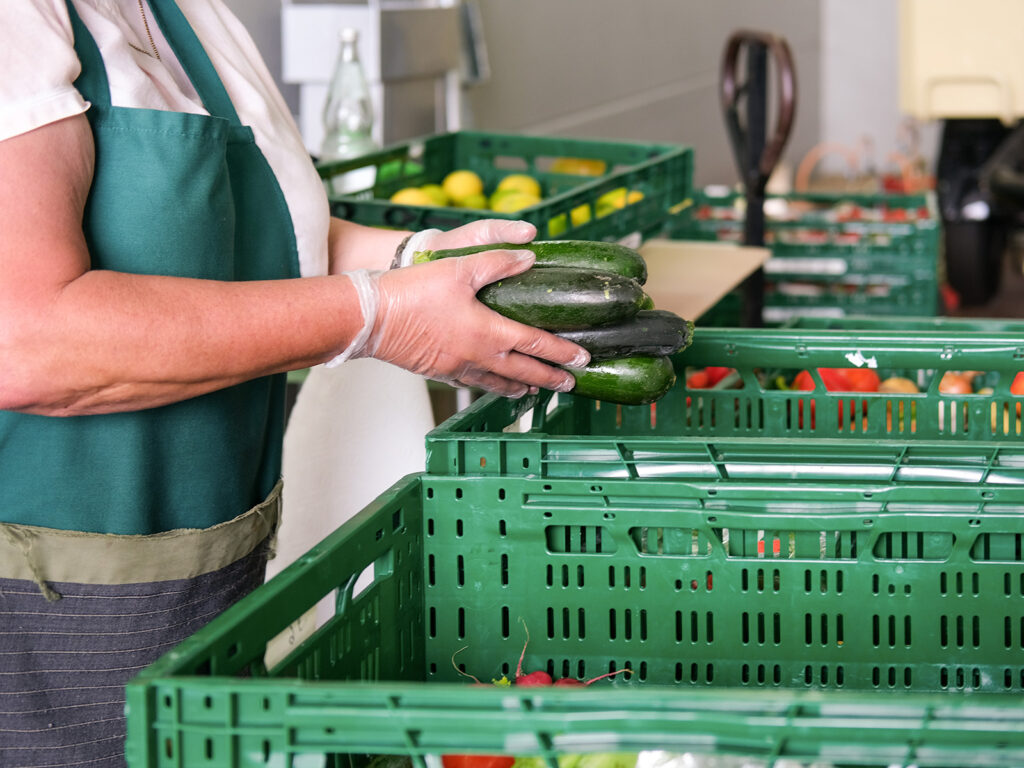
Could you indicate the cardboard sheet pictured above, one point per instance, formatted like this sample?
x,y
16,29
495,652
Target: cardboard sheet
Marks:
x,y
688,277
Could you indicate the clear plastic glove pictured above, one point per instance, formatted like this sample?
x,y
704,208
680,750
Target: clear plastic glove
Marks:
x,y
429,321
426,318
475,233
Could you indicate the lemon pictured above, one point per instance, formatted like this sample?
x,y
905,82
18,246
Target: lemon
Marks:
x,y
412,196
520,182
556,225
578,166
437,193
498,194
616,199
473,201
510,202
580,215
460,184
394,168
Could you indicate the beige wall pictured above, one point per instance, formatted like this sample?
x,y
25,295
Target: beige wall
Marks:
x,y
648,70
645,70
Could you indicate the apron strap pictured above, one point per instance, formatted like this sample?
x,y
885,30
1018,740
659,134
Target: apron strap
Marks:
x,y
193,58
92,82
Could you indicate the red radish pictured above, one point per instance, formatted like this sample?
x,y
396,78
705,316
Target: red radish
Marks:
x,y
572,682
477,761
531,679
534,679
474,678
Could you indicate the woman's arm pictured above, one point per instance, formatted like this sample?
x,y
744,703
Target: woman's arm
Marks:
x,y
353,246
80,341
75,340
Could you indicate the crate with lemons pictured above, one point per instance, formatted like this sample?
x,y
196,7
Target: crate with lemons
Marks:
x,y
463,188
592,294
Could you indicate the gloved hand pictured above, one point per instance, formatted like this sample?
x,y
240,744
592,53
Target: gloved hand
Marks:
x,y
475,233
426,318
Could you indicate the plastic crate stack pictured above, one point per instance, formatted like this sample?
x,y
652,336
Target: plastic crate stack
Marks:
x,y
654,180
776,577
833,255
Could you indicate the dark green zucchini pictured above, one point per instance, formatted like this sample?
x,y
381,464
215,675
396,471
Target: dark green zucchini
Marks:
x,y
655,332
636,380
563,299
580,254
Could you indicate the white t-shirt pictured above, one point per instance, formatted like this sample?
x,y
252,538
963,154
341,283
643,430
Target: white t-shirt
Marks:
x,y
38,66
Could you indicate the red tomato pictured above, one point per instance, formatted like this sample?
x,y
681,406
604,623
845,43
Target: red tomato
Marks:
x,y
862,379
1017,387
803,381
698,380
716,373
954,383
834,379
477,761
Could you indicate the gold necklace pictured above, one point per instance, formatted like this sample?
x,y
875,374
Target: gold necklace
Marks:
x,y
145,22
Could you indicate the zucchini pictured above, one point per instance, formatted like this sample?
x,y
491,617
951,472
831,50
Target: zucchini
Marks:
x,y
580,254
635,380
655,332
563,299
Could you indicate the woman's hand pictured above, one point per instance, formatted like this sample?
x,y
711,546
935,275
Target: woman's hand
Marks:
x,y
429,321
481,233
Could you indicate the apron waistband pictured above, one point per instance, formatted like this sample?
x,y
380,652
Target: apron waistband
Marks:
x,y
49,555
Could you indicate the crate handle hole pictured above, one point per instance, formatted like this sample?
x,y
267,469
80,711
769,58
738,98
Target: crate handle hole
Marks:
x,y
868,521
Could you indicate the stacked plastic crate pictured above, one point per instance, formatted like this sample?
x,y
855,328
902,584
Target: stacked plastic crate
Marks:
x,y
777,576
833,255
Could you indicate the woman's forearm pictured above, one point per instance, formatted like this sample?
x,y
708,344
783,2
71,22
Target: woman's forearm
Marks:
x,y
354,246
110,341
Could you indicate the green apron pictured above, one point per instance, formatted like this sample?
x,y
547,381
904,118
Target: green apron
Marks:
x,y
174,194
121,534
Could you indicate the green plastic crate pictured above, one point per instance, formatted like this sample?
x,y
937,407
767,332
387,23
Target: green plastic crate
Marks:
x,y
565,436
843,255
796,625
663,173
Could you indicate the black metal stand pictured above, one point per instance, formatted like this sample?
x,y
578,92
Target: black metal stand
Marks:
x,y
756,154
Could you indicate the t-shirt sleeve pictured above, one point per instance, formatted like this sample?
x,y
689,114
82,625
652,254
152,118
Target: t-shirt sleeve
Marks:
x,y
38,65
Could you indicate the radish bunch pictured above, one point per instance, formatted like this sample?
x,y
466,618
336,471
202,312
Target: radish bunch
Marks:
x,y
539,678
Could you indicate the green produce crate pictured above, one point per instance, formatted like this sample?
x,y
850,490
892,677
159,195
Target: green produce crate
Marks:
x,y
832,255
794,625
566,436
662,173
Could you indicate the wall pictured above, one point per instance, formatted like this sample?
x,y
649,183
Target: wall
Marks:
x,y
649,70
860,85
262,18
646,70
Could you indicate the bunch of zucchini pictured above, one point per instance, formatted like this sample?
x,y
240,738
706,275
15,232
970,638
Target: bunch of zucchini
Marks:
x,y
592,294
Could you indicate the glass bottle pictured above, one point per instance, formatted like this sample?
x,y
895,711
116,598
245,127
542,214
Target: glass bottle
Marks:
x,y
348,117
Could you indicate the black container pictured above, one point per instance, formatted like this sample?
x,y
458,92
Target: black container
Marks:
x,y
974,233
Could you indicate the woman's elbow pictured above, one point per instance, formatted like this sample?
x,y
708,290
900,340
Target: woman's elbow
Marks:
x,y
25,385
